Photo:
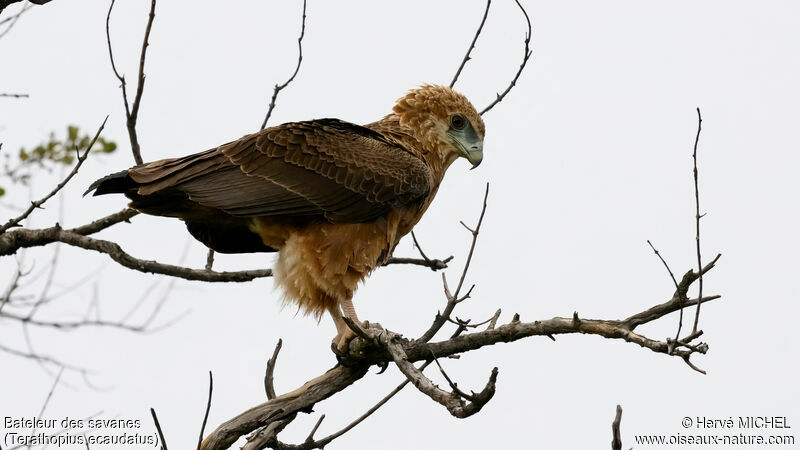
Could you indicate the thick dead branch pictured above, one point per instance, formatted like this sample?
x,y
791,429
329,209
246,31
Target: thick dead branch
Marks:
x,y
453,401
527,55
316,390
38,203
363,353
279,88
472,44
12,241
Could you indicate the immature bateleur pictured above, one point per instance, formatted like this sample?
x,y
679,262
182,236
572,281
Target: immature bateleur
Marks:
x,y
331,197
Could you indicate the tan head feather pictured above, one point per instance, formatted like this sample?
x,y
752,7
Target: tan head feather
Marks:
x,y
427,111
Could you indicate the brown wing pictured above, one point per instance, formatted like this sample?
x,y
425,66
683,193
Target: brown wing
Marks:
x,y
330,168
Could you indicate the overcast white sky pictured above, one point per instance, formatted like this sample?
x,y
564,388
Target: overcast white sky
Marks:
x,y
588,157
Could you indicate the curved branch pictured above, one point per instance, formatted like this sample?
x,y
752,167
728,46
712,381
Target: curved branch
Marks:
x,y
375,349
104,222
472,44
279,88
11,241
525,58
316,390
38,203
453,401
132,112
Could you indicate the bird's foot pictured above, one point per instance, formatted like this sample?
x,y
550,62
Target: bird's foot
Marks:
x,y
341,342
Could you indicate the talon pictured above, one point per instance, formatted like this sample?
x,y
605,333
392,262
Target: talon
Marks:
x,y
342,340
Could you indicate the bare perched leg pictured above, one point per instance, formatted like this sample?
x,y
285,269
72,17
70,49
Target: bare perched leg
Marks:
x,y
343,333
349,311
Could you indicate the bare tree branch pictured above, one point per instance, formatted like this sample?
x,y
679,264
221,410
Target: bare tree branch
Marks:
x,y
675,282
316,390
454,299
11,241
471,45
13,19
15,95
433,264
697,217
5,3
452,401
677,302
616,441
269,386
208,408
363,353
279,88
210,259
104,222
525,58
132,112
14,240
38,203
158,428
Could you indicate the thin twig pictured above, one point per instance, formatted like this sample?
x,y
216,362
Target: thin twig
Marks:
x,y
328,439
675,282
38,203
15,95
433,264
471,45
452,401
453,298
210,259
208,408
47,399
697,221
279,88
132,112
525,58
664,262
418,247
158,428
13,19
616,441
269,386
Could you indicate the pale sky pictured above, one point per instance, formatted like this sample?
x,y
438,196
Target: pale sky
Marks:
x,y
588,157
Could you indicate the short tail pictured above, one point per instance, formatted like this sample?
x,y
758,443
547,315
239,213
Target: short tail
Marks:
x,y
116,183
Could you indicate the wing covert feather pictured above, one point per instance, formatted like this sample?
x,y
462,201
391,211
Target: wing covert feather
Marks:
x,y
327,167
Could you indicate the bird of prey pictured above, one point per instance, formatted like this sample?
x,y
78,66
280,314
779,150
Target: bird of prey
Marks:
x,y
331,197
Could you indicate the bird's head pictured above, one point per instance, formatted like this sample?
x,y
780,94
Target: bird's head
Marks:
x,y
444,121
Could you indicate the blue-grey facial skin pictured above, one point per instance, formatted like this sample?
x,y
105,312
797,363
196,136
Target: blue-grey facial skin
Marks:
x,y
469,145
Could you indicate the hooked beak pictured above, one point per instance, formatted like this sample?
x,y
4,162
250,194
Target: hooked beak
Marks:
x,y
474,155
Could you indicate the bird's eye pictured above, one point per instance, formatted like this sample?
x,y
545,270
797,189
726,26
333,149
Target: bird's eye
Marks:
x,y
458,122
